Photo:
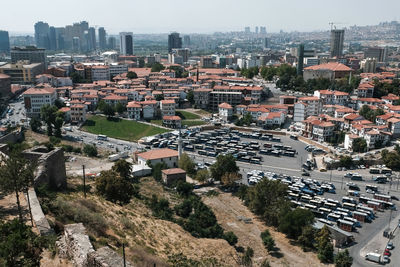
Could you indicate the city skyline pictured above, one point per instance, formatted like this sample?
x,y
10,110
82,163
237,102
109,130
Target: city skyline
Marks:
x,y
190,18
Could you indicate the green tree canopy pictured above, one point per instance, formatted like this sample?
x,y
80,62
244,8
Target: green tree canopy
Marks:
x,y
123,168
202,175
120,108
293,222
157,67
224,164
343,259
115,188
186,163
19,246
324,245
190,97
90,150
359,145
48,114
131,75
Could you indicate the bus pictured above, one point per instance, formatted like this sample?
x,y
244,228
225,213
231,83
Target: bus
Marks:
x,y
102,137
349,206
333,217
374,171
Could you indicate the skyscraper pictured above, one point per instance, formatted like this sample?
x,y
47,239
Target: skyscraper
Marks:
x,y
4,42
186,41
337,39
300,59
92,39
256,30
102,38
247,29
174,41
42,35
112,42
126,43
30,53
52,39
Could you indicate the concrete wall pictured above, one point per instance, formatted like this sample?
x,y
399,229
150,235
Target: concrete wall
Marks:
x,y
12,137
37,214
105,257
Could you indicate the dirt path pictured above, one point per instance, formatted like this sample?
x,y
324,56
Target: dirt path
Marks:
x,y
227,209
92,165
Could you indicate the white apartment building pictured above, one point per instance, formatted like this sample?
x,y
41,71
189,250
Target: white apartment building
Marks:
x,y
35,98
225,111
167,107
100,73
307,106
134,110
116,69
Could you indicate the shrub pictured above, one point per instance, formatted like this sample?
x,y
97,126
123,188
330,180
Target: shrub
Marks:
x,y
90,150
160,208
231,238
77,150
268,241
184,209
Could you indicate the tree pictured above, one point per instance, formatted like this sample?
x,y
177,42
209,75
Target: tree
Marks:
x,y
19,246
75,77
157,67
120,108
293,222
114,188
58,103
131,75
108,110
156,170
190,97
268,199
123,168
160,208
90,150
57,126
359,145
346,161
247,257
48,115
268,241
184,189
101,105
391,159
324,245
231,238
186,163
16,175
35,124
184,209
141,62
159,97
229,179
307,238
202,175
343,259
224,164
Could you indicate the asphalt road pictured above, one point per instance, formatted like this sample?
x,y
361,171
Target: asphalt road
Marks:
x,y
18,113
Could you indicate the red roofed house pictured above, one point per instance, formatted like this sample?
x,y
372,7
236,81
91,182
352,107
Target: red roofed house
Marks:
x,y
225,111
394,126
35,98
167,107
271,119
134,110
78,113
113,99
390,99
166,155
173,176
307,106
172,121
323,131
331,70
67,113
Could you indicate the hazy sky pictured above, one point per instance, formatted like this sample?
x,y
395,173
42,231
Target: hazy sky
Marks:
x,y
188,16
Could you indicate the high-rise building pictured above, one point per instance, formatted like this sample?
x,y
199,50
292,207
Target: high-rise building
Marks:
x,y
300,60
337,39
29,53
42,35
92,39
263,30
174,41
60,35
247,29
379,53
266,43
4,42
186,41
76,44
52,39
112,42
126,43
256,30
102,38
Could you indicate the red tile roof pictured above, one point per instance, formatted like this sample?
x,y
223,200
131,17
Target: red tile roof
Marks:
x,y
333,66
225,105
173,171
158,154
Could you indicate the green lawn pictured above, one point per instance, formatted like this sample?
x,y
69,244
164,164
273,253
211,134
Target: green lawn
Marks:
x,y
185,115
121,129
158,122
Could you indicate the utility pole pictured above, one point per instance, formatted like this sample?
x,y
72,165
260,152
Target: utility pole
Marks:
x,y
123,253
84,181
330,177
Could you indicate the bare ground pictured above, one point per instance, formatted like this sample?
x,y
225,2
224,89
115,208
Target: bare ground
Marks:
x,y
227,208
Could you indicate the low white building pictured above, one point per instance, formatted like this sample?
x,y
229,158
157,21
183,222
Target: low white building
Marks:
x,y
166,155
100,73
225,111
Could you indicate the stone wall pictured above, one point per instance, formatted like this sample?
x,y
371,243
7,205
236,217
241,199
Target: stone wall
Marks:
x,y
76,246
37,214
106,257
51,167
12,137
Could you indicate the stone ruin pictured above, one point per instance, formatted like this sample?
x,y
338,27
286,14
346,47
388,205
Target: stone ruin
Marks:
x,y
76,246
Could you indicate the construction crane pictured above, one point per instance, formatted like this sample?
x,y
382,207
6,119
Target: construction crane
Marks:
x,y
333,24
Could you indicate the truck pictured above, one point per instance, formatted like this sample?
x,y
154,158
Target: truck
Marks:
x,y
375,257
116,157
